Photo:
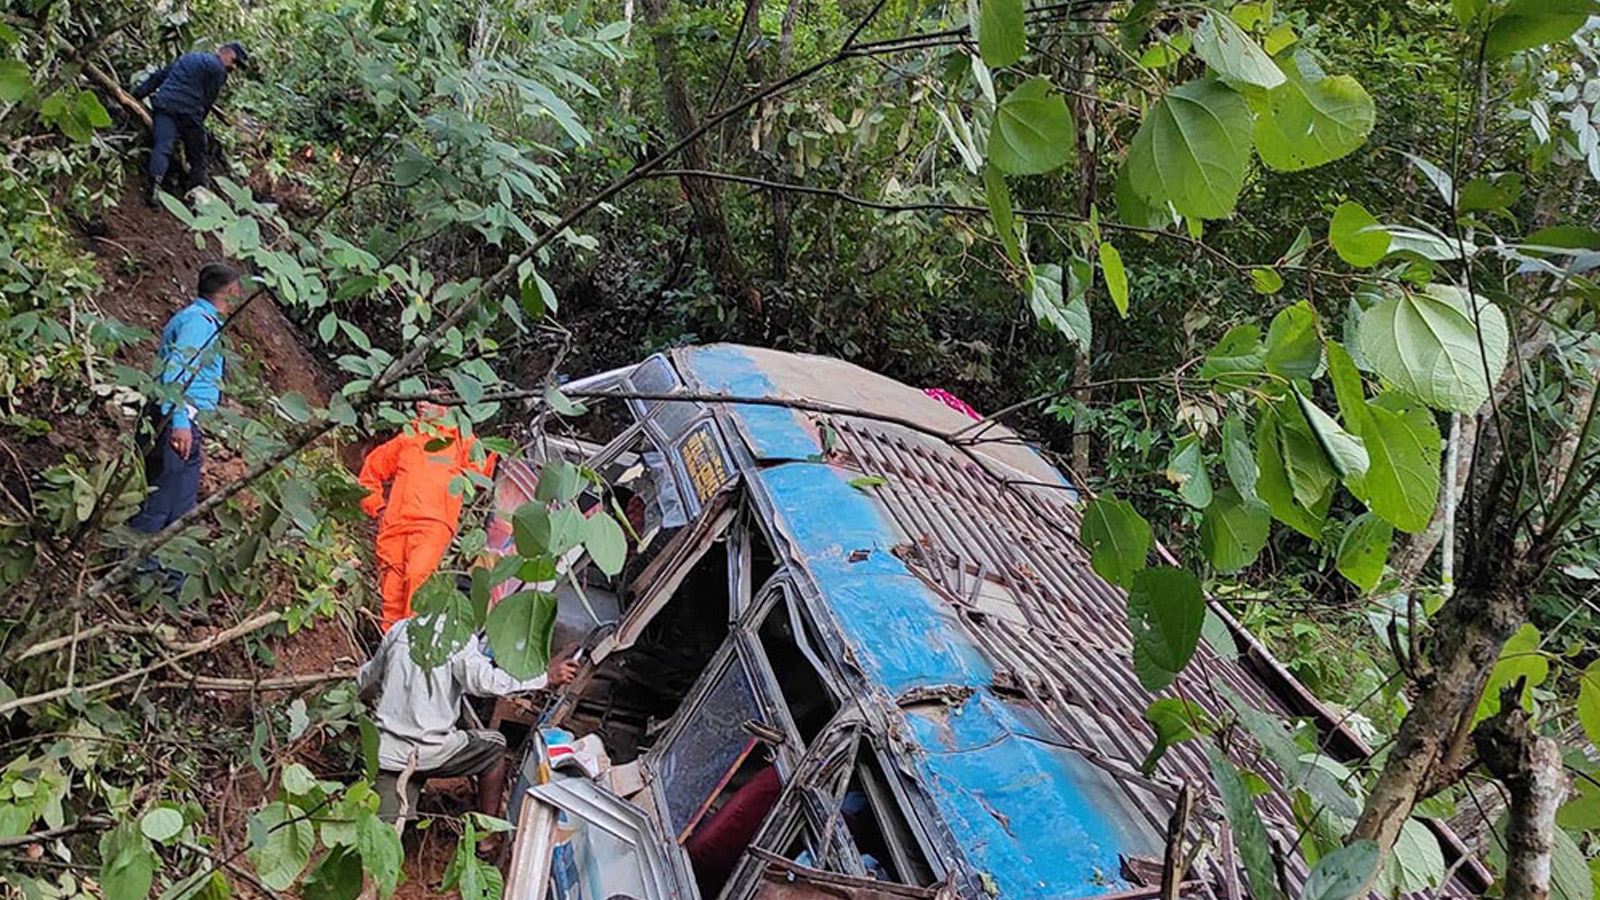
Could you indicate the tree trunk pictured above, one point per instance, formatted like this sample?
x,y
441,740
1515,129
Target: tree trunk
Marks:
x,y
778,262
627,90
1082,373
1470,632
711,227
1530,768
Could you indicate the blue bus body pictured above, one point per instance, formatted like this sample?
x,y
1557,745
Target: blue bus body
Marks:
x,y
908,634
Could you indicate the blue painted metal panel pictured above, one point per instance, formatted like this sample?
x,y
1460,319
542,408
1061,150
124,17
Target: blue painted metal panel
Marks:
x,y
1018,805
1022,810
891,620
774,432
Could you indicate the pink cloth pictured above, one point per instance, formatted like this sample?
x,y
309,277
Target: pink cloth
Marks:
x,y
952,401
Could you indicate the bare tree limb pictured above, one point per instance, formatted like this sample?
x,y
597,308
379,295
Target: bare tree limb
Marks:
x,y
222,637
88,823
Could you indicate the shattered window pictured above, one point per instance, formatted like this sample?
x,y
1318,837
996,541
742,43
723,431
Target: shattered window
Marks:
x,y
711,745
883,837
810,703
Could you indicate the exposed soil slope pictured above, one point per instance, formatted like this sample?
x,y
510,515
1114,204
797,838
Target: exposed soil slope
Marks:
x,y
149,261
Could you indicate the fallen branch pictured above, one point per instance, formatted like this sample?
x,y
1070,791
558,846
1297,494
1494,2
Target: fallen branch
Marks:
x,y
68,640
1174,861
216,640
122,96
284,683
105,81
88,823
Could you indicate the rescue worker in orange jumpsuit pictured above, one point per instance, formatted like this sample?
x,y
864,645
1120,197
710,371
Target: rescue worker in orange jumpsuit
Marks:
x,y
420,515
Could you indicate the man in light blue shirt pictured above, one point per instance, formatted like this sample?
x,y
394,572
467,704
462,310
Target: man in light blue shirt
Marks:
x,y
191,359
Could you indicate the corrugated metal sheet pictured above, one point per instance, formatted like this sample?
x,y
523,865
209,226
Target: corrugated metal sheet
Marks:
x,y
962,572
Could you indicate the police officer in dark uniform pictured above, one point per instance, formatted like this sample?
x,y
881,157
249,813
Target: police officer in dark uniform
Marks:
x,y
184,93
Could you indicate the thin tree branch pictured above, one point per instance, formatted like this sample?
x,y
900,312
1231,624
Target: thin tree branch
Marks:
x,y
251,625
88,823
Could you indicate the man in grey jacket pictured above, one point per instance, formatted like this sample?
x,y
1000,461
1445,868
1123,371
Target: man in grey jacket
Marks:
x,y
417,716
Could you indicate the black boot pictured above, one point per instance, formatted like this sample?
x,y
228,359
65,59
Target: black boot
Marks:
x,y
149,193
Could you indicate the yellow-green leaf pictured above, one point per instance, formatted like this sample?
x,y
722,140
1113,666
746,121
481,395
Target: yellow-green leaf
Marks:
x,y
1116,277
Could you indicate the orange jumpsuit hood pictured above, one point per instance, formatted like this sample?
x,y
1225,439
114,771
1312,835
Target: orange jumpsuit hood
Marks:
x,y
421,479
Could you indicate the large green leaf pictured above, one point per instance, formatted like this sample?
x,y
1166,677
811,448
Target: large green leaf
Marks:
x,y
1468,11
336,876
1166,610
1347,387
1525,24
1402,480
1427,344
1002,34
1589,702
1343,873
442,621
1117,537
559,481
1249,834
1238,457
1414,864
1033,131
1570,877
1356,236
1133,210
1005,224
1293,348
1232,55
1174,721
14,81
1116,277
1363,551
91,111
1312,119
281,840
1519,659
1192,149
1312,475
538,532
1186,469
1069,317
606,543
161,824
1346,451
1237,360
1581,811
1234,530
127,863
1273,486
381,852
519,629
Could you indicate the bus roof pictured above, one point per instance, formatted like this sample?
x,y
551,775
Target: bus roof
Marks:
x,y
961,593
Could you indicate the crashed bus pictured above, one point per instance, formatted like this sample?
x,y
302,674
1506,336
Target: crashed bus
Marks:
x,y
859,652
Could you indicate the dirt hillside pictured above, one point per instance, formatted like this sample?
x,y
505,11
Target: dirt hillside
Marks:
x,y
149,261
